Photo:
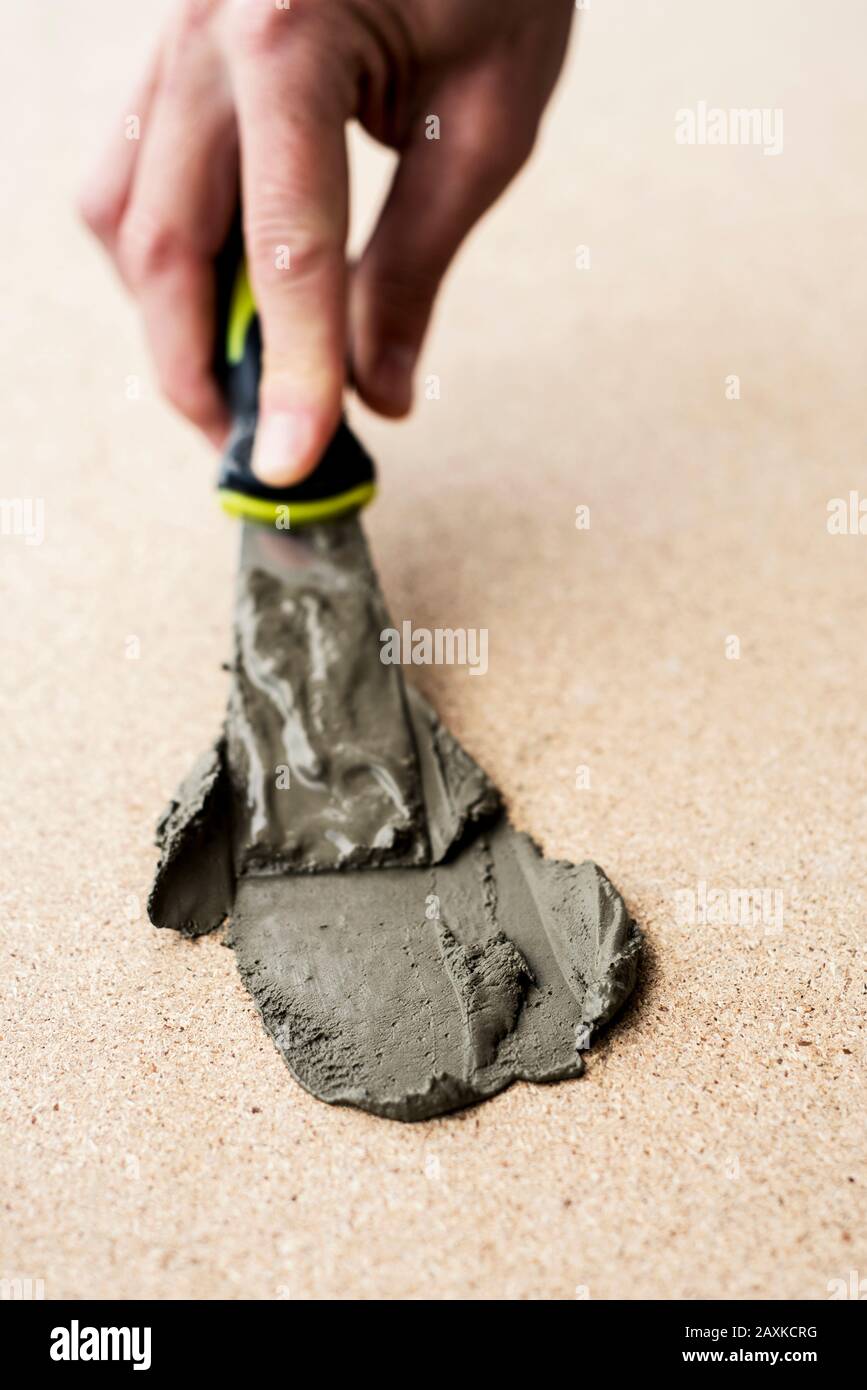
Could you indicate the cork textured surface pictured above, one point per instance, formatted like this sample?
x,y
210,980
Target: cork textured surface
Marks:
x,y
675,691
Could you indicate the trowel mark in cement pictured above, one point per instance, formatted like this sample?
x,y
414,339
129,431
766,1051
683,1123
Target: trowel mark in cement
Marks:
x,y
374,1005
372,999
490,978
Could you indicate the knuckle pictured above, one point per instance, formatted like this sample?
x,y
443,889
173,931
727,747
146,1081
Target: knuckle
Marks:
x,y
100,212
193,21
196,14
495,143
147,248
311,248
498,157
189,43
257,26
311,252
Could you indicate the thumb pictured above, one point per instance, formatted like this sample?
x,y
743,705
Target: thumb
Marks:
x,y
292,107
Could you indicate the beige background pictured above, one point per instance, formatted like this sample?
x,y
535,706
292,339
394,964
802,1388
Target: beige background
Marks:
x,y
153,1142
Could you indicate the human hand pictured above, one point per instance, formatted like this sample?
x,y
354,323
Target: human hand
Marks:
x,y
457,87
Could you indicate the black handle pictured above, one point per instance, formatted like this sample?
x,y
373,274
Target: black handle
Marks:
x,y
344,479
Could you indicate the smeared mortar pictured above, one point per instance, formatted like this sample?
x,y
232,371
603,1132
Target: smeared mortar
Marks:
x,y
408,950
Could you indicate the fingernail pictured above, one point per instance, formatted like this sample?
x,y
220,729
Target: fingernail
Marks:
x,y
392,375
282,447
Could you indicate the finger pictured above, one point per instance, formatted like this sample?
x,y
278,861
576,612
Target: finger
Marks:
x,y
178,311
178,217
104,197
293,100
440,189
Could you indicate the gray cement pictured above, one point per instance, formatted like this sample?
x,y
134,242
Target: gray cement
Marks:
x,y
466,961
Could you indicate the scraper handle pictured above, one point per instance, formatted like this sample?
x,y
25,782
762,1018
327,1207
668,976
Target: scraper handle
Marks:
x,y
343,480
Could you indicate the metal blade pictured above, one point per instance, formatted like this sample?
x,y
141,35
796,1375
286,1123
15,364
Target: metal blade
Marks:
x,y
280,552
